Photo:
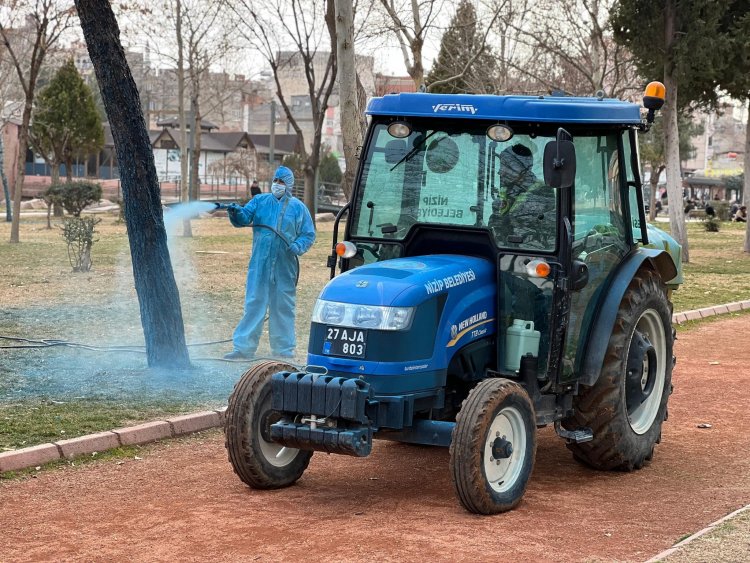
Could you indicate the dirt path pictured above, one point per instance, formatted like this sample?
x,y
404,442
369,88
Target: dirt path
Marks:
x,y
182,502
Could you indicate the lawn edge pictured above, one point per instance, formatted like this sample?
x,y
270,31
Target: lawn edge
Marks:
x,y
679,545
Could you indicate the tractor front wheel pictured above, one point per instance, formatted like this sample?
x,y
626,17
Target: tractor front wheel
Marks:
x,y
625,408
493,447
259,462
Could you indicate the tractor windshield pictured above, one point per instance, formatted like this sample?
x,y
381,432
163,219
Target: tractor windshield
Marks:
x,y
458,177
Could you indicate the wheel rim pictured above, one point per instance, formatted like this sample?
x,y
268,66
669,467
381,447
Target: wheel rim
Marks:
x,y
275,454
507,428
643,415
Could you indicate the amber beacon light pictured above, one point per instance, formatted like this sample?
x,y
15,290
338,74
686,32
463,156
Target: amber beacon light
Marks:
x,y
653,99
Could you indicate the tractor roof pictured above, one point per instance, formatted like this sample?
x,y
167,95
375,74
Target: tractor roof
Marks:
x,y
551,109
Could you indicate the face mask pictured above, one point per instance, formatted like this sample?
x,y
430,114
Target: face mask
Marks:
x,y
278,190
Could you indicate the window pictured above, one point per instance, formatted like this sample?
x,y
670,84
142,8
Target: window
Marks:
x,y
457,176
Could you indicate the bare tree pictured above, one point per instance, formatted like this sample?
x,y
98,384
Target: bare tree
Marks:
x,y
353,124
9,90
297,22
411,22
573,49
45,21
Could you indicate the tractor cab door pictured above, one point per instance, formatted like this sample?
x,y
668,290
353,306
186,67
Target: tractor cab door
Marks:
x,y
601,231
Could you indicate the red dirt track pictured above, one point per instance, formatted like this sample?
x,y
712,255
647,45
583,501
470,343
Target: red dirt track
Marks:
x,y
182,502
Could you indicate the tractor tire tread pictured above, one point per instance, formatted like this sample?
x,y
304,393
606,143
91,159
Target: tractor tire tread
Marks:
x,y
599,407
240,442
472,423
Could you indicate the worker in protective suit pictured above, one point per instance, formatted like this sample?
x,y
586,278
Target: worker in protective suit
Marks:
x,y
282,231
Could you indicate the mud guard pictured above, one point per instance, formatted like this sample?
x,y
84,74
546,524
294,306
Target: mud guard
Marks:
x,y
596,345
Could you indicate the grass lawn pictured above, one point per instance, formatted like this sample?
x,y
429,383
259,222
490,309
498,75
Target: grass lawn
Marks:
x,y
54,392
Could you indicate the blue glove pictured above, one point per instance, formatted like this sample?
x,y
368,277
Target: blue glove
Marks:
x,y
295,248
234,212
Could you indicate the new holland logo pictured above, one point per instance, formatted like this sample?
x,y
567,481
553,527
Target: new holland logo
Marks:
x,y
454,107
454,331
362,283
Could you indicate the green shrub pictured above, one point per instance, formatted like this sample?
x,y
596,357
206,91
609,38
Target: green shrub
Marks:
x,y
74,196
78,232
712,224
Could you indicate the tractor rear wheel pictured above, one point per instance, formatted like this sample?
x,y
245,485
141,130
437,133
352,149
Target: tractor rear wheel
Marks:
x,y
259,462
625,408
493,447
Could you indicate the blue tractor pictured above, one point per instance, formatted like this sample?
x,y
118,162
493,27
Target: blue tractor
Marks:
x,y
497,275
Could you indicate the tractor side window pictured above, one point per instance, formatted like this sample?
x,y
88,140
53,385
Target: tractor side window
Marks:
x,y
599,235
635,217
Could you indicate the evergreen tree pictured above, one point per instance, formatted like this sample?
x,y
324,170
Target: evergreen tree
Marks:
x,y
330,171
66,121
736,78
653,152
464,64
683,42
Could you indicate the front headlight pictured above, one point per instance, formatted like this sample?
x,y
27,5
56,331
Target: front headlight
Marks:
x,y
362,316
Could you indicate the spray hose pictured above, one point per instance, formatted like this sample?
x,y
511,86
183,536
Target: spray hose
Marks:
x,y
24,343
274,231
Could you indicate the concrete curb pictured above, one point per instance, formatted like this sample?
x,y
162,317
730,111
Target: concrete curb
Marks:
x,y
667,552
697,314
205,420
132,436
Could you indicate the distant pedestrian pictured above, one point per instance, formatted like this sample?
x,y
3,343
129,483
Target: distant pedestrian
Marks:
x,y
254,189
741,215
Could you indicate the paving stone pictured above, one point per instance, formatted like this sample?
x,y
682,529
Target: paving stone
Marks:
x,y
707,312
28,457
679,318
721,310
88,444
144,433
734,307
693,315
194,422
745,305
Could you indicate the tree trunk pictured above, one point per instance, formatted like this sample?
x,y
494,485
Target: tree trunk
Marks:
x,y
746,184
68,170
674,178
54,172
672,141
187,229
23,147
351,129
309,195
654,181
159,300
6,189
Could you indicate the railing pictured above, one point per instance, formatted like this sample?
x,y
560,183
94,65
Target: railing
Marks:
x,y
330,197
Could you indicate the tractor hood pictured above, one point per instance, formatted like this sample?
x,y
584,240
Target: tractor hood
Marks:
x,y
406,282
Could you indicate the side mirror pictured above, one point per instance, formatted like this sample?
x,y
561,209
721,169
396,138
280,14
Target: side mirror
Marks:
x,y
579,275
560,161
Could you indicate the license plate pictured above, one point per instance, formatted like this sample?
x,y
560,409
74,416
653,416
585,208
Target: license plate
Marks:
x,y
345,341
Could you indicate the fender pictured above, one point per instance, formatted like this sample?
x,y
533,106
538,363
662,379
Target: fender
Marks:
x,y
598,340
